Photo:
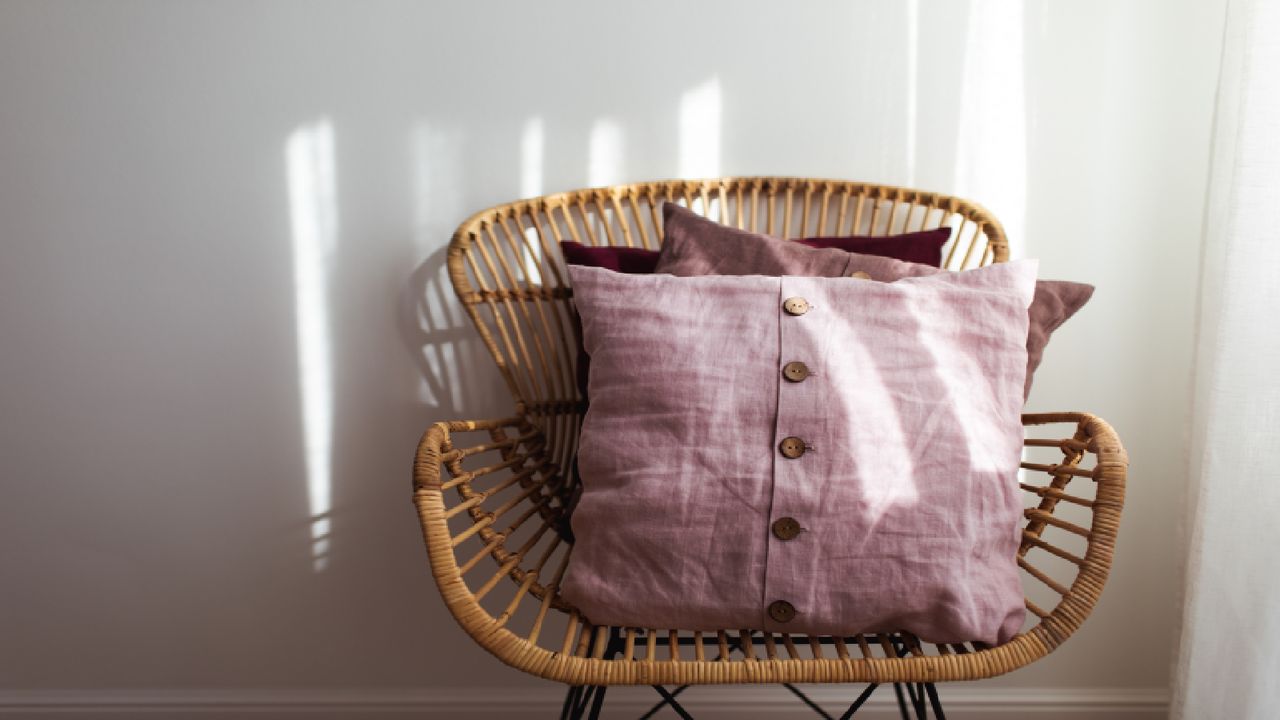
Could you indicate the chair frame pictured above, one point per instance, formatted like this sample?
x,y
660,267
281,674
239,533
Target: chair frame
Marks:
x,y
471,477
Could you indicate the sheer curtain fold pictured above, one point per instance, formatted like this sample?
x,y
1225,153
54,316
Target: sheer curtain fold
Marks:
x,y
1229,657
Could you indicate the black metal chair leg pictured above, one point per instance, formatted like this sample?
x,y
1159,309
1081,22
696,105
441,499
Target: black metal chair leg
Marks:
x,y
663,703
597,702
579,699
805,699
918,699
935,701
587,693
585,702
902,701
859,701
570,701
671,700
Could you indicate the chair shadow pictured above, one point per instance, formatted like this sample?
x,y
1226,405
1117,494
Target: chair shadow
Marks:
x,y
459,379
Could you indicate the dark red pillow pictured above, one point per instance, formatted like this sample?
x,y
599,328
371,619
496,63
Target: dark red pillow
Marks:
x,y
635,261
924,247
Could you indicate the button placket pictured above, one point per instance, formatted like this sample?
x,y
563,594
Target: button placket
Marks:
x,y
790,563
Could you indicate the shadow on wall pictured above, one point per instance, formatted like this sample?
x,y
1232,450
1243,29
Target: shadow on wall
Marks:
x,y
458,379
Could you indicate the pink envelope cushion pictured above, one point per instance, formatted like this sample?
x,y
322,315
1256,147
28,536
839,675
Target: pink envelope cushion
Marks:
x,y
906,495
694,245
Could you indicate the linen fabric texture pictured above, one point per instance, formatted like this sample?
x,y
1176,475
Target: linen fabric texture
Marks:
x,y
694,245
905,495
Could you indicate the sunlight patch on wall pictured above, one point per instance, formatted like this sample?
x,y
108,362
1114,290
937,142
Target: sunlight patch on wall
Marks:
x,y
991,143
532,142
604,162
309,168
604,159
912,8
700,139
438,187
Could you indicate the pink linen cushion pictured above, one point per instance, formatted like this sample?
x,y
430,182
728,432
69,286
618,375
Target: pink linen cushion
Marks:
x,y
694,245
906,496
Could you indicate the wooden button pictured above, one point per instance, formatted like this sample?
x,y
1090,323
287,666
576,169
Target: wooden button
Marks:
x,y
860,275
795,371
796,305
782,611
786,528
792,447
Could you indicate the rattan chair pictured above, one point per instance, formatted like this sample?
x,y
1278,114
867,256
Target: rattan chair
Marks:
x,y
492,494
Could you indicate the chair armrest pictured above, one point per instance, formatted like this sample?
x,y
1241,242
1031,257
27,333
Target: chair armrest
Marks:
x,y
437,446
1069,539
489,489
492,502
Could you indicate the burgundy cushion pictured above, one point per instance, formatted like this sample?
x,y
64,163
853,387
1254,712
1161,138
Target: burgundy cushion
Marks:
x,y
619,259
923,247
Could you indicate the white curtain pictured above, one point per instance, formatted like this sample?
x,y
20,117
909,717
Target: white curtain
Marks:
x,y
1229,661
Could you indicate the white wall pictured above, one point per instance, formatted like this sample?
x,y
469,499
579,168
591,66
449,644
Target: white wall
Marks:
x,y
182,185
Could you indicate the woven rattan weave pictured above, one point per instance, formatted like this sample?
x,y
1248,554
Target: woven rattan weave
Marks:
x,y
491,494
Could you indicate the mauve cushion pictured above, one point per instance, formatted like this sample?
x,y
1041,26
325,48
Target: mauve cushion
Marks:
x,y
694,245
907,497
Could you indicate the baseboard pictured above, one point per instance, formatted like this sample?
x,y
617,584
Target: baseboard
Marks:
x,y
961,701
